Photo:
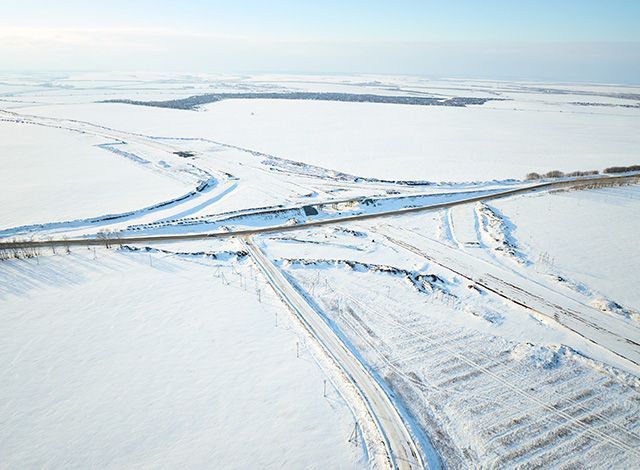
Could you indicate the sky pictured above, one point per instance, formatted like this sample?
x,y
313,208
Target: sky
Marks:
x,y
563,40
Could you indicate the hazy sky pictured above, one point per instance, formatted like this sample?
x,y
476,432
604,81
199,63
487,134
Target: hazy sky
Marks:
x,y
586,40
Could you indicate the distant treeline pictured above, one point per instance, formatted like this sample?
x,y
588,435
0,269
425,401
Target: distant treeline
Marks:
x,y
193,102
561,174
621,169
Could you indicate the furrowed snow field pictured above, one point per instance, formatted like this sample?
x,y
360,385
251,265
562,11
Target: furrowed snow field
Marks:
x,y
151,360
53,174
487,382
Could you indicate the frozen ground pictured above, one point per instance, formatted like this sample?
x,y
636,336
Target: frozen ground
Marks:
x,y
598,253
426,143
491,141
505,332
147,360
487,381
52,174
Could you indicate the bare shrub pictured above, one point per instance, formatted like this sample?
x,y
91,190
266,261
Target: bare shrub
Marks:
x,y
554,174
559,174
583,173
52,245
5,253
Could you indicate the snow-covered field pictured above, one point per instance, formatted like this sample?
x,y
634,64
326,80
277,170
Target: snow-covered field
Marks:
x,y
530,130
598,254
487,381
149,360
395,141
493,332
53,174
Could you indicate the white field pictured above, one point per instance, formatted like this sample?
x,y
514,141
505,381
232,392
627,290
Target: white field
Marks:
x,y
53,175
136,359
530,130
390,141
589,237
151,361
332,246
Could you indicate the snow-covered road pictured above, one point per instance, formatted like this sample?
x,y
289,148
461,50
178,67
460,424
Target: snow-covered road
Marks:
x,y
402,450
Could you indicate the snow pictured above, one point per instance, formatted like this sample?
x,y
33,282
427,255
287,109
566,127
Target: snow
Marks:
x,y
324,248
488,382
462,225
54,174
588,237
427,143
150,360
505,331
491,141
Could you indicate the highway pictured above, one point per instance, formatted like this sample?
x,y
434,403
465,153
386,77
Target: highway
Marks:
x,y
105,241
402,451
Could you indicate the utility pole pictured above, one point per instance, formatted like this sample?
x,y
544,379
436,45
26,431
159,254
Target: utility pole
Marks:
x,y
353,437
298,349
324,389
